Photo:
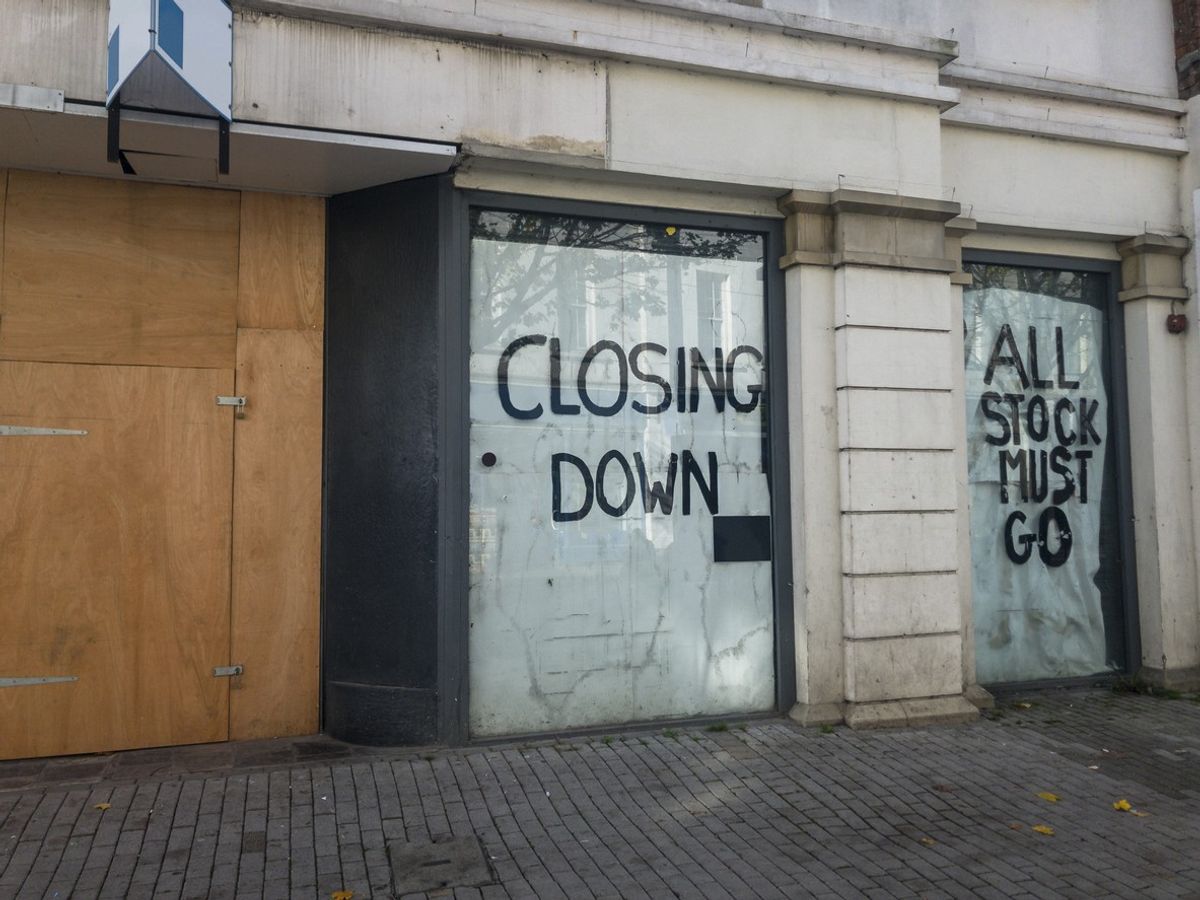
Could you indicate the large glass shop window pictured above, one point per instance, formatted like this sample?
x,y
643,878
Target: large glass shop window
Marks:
x,y
619,522
1045,541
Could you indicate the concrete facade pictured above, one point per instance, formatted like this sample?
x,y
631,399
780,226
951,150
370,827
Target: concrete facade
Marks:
x,y
891,139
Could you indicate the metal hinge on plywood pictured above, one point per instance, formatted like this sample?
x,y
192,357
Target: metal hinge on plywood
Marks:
x,y
238,402
226,671
29,431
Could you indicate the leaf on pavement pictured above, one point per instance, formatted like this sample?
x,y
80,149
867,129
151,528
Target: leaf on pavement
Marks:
x,y
1122,805
928,841
1049,797
102,806
341,895
1043,829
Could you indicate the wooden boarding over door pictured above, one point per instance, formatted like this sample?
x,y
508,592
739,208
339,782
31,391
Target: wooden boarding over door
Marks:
x,y
116,557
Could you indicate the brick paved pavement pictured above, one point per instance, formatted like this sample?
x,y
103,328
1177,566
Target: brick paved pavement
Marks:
x,y
765,810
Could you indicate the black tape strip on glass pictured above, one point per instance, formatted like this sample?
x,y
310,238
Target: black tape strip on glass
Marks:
x,y
741,538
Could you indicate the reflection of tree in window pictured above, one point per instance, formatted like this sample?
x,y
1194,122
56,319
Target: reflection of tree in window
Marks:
x,y
714,307
526,268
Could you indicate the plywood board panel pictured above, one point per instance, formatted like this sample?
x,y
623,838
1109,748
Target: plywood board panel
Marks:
x,y
282,282
114,556
117,272
277,534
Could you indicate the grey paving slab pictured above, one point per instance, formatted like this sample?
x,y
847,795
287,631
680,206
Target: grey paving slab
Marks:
x,y
759,810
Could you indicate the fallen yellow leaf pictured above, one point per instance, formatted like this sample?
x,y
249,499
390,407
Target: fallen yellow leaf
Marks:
x,y
1122,805
1139,813
341,895
1024,705
928,841
102,806
1049,797
1043,829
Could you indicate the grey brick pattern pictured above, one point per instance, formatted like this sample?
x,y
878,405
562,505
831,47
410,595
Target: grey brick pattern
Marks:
x,y
765,810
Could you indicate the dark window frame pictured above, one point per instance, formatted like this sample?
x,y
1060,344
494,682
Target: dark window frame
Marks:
x,y
1115,321
454,624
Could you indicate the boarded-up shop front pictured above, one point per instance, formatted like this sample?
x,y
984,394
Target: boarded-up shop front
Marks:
x,y
156,540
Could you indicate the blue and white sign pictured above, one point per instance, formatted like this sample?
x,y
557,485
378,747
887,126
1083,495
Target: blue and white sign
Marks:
x,y
171,55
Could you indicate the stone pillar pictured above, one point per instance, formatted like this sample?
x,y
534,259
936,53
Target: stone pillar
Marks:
x,y
876,266
1168,608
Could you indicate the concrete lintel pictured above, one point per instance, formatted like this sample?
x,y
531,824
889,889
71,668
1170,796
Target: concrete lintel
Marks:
x,y
893,261
805,258
961,75
551,35
1174,144
802,201
873,203
813,714
845,200
960,226
1171,245
799,25
1153,292
951,710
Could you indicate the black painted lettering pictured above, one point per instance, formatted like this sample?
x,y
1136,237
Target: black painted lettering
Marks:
x,y
715,378
556,404
502,376
1062,363
754,390
708,489
1086,415
681,379
1038,383
1037,463
1063,405
1083,456
985,404
1060,459
560,515
1014,461
623,379
649,378
1039,431
614,509
1010,543
1052,515
654,492
1014,411
1005,340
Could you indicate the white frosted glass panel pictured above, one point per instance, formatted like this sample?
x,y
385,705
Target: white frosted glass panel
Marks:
x,y
1042,471
617,413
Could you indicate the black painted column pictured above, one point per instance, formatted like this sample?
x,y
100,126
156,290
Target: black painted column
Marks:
x,y
390,254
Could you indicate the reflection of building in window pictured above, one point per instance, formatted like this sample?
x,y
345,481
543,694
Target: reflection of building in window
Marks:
x,y
581,316
714,304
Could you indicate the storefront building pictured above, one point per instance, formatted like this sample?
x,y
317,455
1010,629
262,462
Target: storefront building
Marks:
x,y
536,367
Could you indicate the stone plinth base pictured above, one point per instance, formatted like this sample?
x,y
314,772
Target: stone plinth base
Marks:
x,y
954,710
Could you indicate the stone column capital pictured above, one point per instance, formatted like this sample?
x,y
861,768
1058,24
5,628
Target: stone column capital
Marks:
x,y
866,228
1152,267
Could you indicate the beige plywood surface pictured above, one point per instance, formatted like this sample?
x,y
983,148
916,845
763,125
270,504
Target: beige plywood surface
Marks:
x,y
118,272
282,283
114,557
277,534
